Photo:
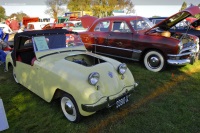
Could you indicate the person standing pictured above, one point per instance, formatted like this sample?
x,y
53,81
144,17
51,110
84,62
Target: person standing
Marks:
x,y
14,24
8,22
6,33
4,49
22,28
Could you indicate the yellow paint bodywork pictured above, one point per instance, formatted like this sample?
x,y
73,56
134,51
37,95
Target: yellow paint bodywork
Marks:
x,y
55,72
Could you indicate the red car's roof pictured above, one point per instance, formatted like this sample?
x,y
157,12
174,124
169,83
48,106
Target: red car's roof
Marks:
x,y
87,21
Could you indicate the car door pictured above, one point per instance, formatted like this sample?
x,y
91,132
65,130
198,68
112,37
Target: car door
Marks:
x,y
119,40
100,34
96,38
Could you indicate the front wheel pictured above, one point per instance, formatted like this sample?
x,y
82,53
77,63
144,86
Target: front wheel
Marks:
x,y
70,108
154,61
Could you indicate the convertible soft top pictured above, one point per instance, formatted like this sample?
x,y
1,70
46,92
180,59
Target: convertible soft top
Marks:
x,y
42,32
23,36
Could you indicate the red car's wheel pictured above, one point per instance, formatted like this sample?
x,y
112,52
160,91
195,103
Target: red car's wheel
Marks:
x,y
154,61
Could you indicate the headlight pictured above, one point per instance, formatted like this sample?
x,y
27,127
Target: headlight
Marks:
x,y
180,46
93,78
122,68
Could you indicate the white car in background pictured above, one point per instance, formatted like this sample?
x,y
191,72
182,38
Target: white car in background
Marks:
x,y
7,29
36,25
2,26
75,26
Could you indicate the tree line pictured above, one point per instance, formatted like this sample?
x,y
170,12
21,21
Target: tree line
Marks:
x,y
99,8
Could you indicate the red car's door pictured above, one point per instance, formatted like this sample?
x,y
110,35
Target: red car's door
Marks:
x,y
96,39
119,40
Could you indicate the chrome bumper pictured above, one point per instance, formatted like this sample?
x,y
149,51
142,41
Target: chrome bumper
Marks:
x,y
178,59
109,101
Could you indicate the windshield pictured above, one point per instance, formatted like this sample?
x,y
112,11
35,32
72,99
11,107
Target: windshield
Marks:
x,y
141,24
49,42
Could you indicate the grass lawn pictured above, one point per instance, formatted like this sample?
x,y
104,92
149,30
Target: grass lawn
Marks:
x,y
167,101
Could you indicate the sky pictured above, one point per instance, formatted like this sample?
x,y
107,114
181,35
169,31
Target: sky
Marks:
x,y
145,8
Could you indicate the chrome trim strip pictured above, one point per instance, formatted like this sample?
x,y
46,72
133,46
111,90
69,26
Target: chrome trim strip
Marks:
x,y
134,50
179,62
117,56
183,54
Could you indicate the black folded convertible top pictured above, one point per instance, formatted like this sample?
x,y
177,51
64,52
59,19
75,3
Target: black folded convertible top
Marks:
x,y
29,34
43,32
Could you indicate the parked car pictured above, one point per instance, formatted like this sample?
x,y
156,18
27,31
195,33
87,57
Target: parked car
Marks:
x,y
189,25
36,25
156,20
55,64
132,37
11,33
75,26
2,26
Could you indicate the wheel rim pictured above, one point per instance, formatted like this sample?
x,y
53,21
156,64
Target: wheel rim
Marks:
x,y
154,61
68,109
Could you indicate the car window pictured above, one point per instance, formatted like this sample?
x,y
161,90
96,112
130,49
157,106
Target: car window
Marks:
x,y
120,26
28,43
102,26
141,24
30,26
181,25
42,43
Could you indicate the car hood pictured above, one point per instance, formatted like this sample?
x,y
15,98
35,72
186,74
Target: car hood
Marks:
x,y
176,18
70,70
87,20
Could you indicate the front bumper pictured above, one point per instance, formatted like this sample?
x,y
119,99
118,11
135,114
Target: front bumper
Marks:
x,y
108,101
186,56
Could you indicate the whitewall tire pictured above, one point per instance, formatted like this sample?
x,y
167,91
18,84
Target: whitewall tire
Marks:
x,y
154,61
70,108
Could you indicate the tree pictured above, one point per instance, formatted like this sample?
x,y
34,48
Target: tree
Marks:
x,y
19,16
184,5
77,5
2,13
55,7
100,8
198,15
129,7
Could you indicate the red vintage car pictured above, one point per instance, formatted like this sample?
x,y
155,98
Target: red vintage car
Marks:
x,y
132,37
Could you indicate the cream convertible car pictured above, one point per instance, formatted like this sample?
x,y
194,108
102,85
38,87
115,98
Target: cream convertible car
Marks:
x,y
55,64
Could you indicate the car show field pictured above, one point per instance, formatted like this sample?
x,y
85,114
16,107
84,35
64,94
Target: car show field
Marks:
x,y
100,73
166,101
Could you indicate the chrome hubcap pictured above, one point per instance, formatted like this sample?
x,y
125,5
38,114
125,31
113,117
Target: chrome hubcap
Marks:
x,y
154,61
69,108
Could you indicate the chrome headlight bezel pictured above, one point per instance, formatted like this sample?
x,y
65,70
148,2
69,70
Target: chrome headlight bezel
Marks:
x,y
180,45
93,78
122,68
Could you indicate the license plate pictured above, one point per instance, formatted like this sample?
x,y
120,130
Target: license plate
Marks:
x,y
121,101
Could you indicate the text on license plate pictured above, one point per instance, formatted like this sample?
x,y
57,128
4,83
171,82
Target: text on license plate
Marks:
x,y
121,101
